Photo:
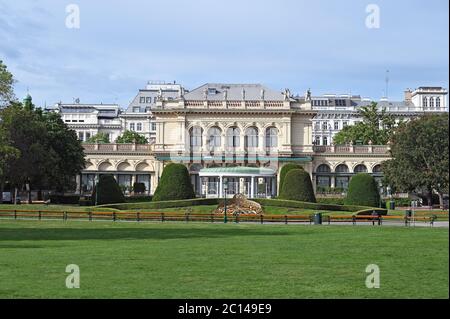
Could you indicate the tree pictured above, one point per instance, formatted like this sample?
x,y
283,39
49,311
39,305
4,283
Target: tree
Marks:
x,y
99,138
283,172
6,85
298,186
174,184
107,191
131,137
420,157
376,127
363,191
7,153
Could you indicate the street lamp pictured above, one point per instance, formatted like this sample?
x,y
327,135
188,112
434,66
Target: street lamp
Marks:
x,y
96,188
225,188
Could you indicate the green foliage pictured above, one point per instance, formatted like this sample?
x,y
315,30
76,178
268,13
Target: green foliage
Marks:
x,y
363,190
64,199
368,212
139,187
129,137
330,190
109,191
165,204
377,127
298,186
139,199
175,184
305,205
284,170
6,85
331,200
99,138
420,155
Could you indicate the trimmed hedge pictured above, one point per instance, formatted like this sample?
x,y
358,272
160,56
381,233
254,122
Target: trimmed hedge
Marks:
x,y
138,199
165,204
367,212
363,190
175,184
284,170
64,199
331,200
298,186
139,188
109,191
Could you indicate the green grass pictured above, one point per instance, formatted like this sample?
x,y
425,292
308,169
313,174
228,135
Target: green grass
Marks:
x,y
74,208
178,260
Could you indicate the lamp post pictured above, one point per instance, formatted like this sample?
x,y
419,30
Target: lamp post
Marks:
x,y
225,188
96,188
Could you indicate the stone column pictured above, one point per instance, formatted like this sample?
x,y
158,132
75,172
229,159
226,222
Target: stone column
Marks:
x,y
220,186
252,188
78,181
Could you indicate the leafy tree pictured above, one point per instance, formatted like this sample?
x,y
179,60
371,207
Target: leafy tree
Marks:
x,y
6,85
298,186
363,191
420,157
7,153
132,137
174,184
376,127
99,138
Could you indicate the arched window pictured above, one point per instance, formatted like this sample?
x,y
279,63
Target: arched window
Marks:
x,y
431,102
323,168
233,137
195,136
438,102
251,137
214,137
360,168
271,137
425,101
377,169
341,168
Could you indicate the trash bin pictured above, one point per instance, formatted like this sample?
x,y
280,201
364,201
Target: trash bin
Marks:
x,y
318,219
391,205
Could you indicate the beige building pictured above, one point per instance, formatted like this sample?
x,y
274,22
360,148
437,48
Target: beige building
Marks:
x,y
239,133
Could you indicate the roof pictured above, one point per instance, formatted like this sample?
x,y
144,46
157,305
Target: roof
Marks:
x,y
234,92
238,170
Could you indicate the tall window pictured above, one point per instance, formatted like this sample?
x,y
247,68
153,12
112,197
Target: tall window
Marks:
x,y
139,127
214,135
233,136
148,99
317,126
438,102
336,125
431,102
142,99
361,168
317,140
425,101
153,126
195,136
271,137
325,126
345,123
325,140
251,137
132,127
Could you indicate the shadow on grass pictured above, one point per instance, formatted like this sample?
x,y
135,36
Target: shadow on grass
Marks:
x,y
18,234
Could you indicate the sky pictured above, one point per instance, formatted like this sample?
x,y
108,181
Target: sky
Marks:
x,y
324,45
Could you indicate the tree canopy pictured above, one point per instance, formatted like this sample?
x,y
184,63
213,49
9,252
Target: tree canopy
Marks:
x,y
376,127
6,85
99,138
420,156
132,138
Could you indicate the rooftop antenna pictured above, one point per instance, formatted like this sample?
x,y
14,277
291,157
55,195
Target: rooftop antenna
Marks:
x,y
387,84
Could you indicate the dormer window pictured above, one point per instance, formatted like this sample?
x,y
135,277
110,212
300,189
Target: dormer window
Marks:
x,y
212,91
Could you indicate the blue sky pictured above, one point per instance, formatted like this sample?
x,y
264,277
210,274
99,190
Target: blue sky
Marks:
x,y
322,44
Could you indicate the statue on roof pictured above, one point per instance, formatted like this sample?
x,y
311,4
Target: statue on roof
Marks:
x,y
243,94
287,94
308,95
205,94
160,94
225,95
262,94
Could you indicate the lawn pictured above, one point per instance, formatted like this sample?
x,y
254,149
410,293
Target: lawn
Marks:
x,y
178,260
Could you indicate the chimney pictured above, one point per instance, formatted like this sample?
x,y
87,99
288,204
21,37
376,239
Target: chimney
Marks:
x,y
408,95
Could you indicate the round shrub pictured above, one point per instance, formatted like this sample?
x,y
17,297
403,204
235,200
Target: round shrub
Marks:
x,y
109,191
284,170
363,191
139,188
298,186
174,184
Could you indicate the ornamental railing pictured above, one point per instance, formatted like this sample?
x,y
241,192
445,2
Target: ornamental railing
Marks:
x,y
115,147
352,149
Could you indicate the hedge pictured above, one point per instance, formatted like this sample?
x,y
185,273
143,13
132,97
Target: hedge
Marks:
x,y
64,199
298,186
331,200
139,199
109,191
165,204
175,184
363,190
284,170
